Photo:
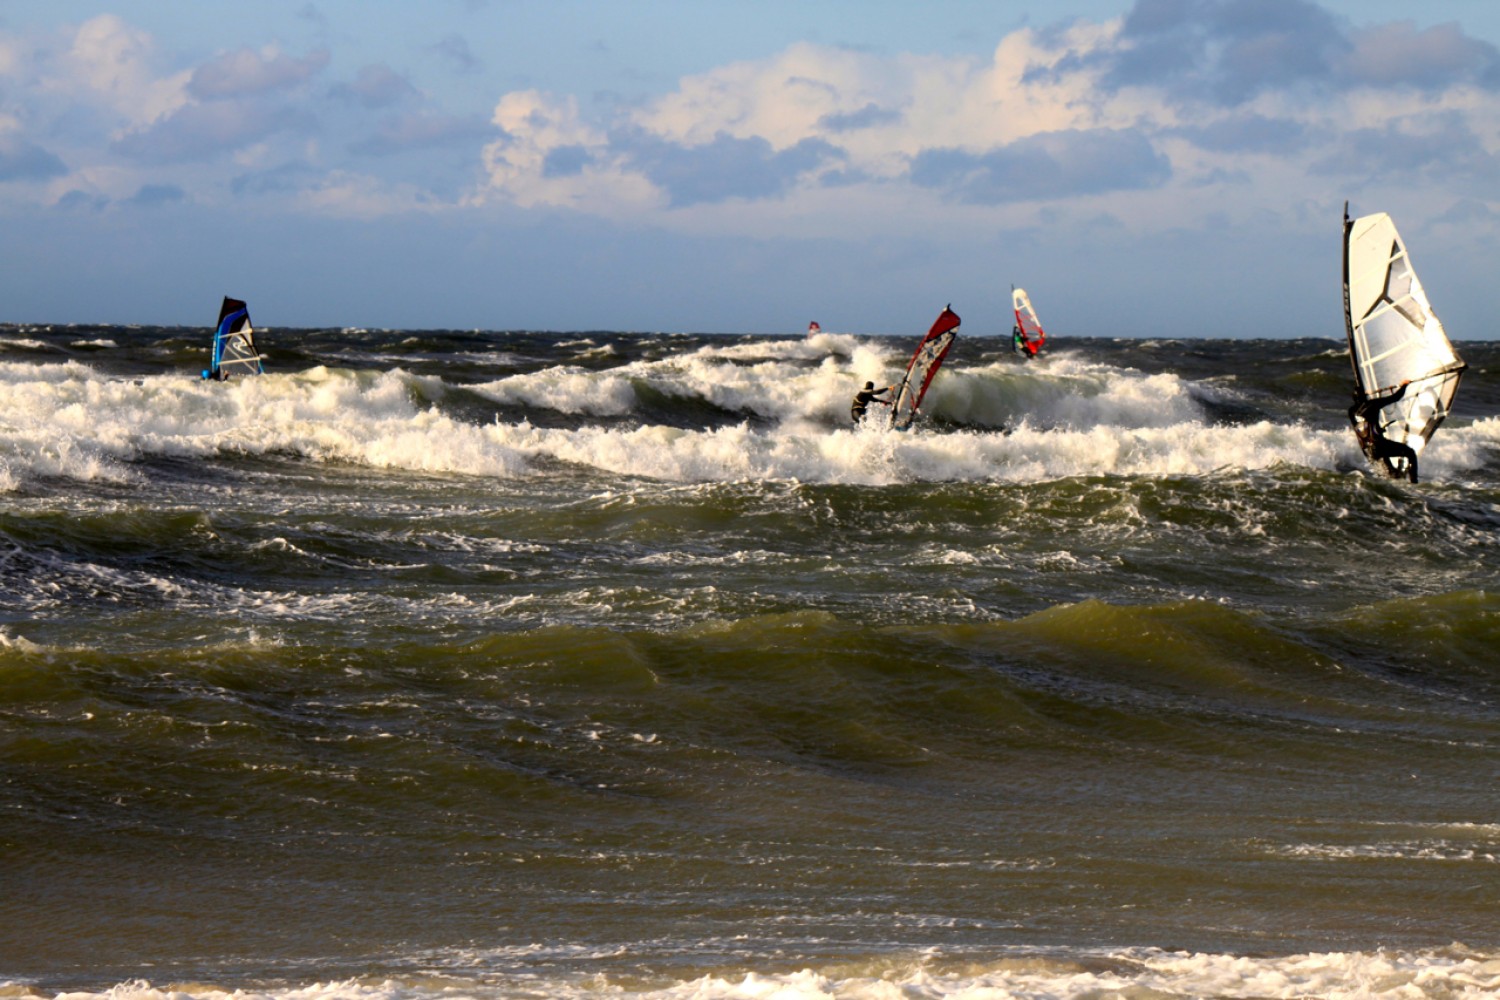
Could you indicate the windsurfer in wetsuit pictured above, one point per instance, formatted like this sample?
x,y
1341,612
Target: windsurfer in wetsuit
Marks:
x,y
1364,415
1021,345
862,400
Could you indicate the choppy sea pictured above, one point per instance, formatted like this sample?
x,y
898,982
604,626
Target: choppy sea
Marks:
x,y
446,664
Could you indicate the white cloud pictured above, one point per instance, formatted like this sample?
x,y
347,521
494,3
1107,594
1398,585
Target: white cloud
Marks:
x,y
540,129
114,62
245,72
1087,112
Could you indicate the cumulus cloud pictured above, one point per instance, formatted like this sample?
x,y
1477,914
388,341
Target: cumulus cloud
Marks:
x,y
456,51
1047,166
1249,133
1224,51
376,86
244,72
1398,54
26,161
156,195
423,131
1441,147
1173,100
727,167
869,116
116,63
206,131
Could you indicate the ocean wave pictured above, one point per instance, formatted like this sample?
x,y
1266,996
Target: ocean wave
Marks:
x,y
773,410
1454,972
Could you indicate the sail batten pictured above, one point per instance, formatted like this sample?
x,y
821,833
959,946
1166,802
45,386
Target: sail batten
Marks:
x,y
1406,372
924,364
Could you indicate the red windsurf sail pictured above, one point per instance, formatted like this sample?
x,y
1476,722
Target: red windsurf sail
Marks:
x,y
924,365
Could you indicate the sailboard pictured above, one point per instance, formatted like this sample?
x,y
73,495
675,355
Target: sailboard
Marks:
x,y
923,366
234,351
1028,337
1406,373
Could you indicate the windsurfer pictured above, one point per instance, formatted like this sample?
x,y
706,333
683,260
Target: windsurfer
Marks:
x,y
1020,344
1364,416
862,400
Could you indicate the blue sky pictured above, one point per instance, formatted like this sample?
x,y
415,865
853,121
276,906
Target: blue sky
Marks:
x,y
1142,167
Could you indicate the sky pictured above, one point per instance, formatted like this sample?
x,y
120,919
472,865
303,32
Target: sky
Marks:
x,y
1144,168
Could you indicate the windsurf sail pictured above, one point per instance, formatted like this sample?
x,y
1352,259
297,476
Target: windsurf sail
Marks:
x,y
923,366
1406,373
1027,338
234,351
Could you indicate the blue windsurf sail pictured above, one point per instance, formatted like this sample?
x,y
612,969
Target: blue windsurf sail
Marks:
x,y
234,351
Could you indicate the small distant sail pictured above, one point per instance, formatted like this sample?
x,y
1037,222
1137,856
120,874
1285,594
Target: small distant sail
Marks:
x,y
1406,373
924,365
813,328
1027,338
234,351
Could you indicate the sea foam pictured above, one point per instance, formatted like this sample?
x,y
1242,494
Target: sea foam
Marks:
x,y
1001,422
1454,972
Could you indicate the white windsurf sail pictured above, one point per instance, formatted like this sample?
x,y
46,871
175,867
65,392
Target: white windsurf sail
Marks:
x,y
1027,338
234,351
922,367
1406,373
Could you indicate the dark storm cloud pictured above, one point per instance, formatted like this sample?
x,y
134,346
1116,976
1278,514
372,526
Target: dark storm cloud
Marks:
x,y
244,72
725,168
26,161
1048,165
869,116
204,131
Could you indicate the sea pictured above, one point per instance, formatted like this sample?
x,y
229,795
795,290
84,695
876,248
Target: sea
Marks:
x,y
449,664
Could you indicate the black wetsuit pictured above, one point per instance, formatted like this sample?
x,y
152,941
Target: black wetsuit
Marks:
x,y
862,401
1364,416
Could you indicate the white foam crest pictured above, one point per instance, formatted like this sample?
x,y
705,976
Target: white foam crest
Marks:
x,y
774,380
1454,972
809,452
1077,420
1061,392
66,420
567,389
818,345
